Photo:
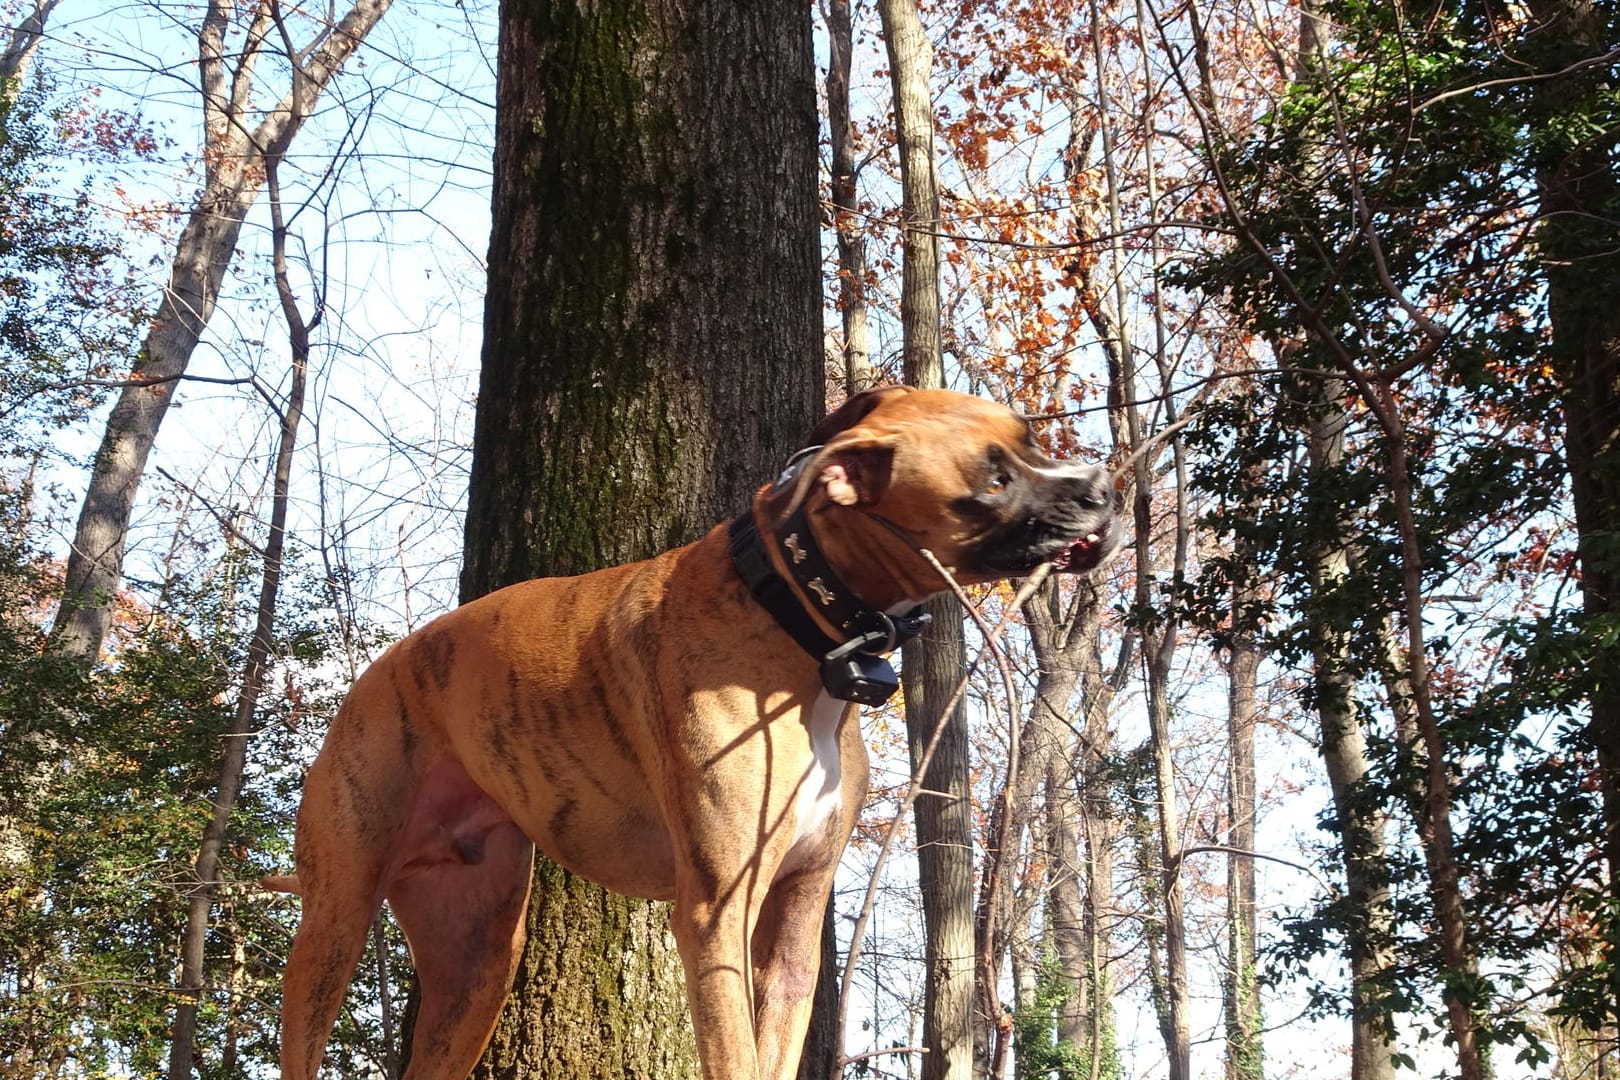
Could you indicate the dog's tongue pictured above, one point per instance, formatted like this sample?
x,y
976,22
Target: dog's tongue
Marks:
x,y
1076,552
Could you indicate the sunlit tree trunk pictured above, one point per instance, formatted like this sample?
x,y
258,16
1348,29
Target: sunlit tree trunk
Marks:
x,y
1065,642
1158,645
1102,298
859,371
1244,1056
1158,619
652,353
233,751
1361,822
933,664
1029,822
23,43
1100,827
1360,819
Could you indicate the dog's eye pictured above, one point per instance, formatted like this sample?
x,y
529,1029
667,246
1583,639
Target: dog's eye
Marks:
x,y
998,473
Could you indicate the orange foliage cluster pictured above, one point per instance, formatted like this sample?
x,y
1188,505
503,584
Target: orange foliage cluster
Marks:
x,y
37,607
108,132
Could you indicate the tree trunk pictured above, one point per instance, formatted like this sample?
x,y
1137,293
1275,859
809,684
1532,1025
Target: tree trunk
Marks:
x,y
233,156
1579,195
859,371
1434,824
233,758
1100,823
1360,821
1244,1057
1158,625
944,821
652,354
1066,649
1159,647
933,664
22,44
1159,636
1066,915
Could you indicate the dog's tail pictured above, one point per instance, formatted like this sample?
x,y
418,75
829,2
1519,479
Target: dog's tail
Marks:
x,y
287,883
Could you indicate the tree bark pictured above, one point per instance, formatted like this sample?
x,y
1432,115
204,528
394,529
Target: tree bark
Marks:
x,y
859,371
1578,192
1159,649
1157,622
1066,650
944,822
1244,1055
1101,825
1361,823
933,664
22,44
652,354
1360,820
233,163
233,758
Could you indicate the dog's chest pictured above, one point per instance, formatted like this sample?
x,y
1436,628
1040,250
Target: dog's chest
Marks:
x,y
820,795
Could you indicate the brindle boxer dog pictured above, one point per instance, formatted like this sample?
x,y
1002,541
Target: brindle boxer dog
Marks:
x,y
681,728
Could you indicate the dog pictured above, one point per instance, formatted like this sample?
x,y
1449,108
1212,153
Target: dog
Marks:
x,y
681,729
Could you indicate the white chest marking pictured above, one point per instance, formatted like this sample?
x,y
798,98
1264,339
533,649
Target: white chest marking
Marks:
x,y
820,794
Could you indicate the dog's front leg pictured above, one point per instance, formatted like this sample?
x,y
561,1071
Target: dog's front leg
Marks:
x,y
711,932
787,960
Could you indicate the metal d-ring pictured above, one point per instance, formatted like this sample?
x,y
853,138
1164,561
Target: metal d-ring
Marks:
x,y
890,630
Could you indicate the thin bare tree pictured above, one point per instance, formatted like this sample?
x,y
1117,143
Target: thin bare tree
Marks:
x,y
932,664
182,1051
237,138
848,225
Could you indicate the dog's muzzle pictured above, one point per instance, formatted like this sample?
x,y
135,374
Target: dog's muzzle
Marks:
x,y
1066,517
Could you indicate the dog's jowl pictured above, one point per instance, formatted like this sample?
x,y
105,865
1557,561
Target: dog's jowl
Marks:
x,y
681,728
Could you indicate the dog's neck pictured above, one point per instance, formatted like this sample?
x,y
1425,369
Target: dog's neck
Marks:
x,y
784,568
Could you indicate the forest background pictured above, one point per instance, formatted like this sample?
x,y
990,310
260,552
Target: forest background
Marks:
x,y
1323,774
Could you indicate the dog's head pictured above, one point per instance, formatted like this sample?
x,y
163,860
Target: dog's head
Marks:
x,y
958,475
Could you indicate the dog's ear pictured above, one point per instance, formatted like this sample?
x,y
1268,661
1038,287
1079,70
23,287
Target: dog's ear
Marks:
x,y
852,412
853,469
850,463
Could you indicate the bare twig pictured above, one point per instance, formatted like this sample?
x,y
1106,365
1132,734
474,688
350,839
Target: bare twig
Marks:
x,y
915,789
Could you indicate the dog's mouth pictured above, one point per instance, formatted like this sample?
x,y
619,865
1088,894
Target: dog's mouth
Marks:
x,y
1083,554
1053,543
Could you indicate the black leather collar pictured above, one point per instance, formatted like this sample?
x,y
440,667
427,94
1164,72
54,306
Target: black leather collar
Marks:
x,y
852,669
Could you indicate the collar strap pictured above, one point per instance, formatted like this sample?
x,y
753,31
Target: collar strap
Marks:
x,y
851,669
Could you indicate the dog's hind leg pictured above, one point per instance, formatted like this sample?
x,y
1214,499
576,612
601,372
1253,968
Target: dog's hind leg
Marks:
x,y
331,937
464,919
341,860
358,795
